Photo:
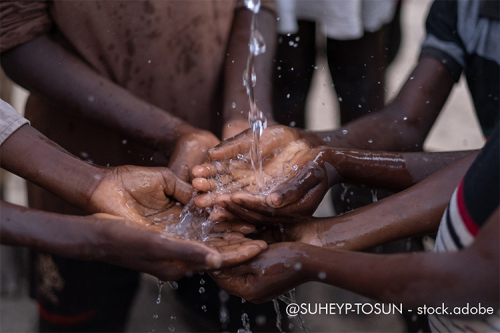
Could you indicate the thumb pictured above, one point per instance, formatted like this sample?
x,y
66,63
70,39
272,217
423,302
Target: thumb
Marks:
x,y
294,188
176,187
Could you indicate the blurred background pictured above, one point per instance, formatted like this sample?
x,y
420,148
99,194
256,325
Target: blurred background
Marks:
x,y
456,129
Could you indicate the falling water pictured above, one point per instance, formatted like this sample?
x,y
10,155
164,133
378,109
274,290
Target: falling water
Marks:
x,y
160,284
288,298
256,118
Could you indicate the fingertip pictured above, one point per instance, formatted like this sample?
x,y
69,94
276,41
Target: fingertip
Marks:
x,y
213,260
262,244
201,184
201,201
274,200
198,171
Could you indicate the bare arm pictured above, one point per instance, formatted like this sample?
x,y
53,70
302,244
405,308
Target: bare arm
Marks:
x,y
404,123
118,191
415,211
410,279
46,68
119,242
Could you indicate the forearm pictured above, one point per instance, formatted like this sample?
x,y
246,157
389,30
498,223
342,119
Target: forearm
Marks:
x,y
396,171
48,69
404,123
411,279
32,156
70,236
236,62
415,211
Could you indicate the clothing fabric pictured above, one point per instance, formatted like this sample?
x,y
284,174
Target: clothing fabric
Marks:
x,y
341,19
475,199
465,36
168,53
10,120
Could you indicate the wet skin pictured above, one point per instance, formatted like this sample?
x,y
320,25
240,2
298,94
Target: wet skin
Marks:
x,y
302,175
123,242
412,279
138,203
414,211
49,69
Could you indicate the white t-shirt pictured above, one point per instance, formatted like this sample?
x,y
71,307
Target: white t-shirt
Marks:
x,y
10,120
341,19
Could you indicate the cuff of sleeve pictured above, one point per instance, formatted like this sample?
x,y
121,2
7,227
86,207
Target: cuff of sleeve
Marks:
x,y
12,127
453,67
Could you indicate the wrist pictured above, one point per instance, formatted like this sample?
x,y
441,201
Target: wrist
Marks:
x,y
304,266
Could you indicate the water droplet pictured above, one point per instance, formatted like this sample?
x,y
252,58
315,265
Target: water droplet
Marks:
x,y
340,99
155,316
327,139
171,328
228,125
297,266
322,275
202,281
287,95
278,68
149,61
345,131
291,69
124,142
411,77
291,43
295,167
257,43
260,320
204,308
201,290
404,118
253,5
233,105
292,124
370,141
359,106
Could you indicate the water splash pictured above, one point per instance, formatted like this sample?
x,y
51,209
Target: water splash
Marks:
x,y
160,284
288,298
246,324
278,314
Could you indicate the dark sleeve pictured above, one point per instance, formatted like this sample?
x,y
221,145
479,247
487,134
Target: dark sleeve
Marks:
x,y
482,181
442,41
22,21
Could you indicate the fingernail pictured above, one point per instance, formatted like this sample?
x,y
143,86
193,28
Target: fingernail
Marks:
x,y
276,199
213,260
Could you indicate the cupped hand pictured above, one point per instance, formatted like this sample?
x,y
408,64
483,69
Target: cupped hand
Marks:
x,y
296,179
273,138
135,193
267,276
191,150
152,250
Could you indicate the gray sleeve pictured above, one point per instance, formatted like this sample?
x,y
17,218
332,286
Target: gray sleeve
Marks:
x,y
10,120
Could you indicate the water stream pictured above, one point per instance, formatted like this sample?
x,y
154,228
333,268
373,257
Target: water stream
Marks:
x,y
256,118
